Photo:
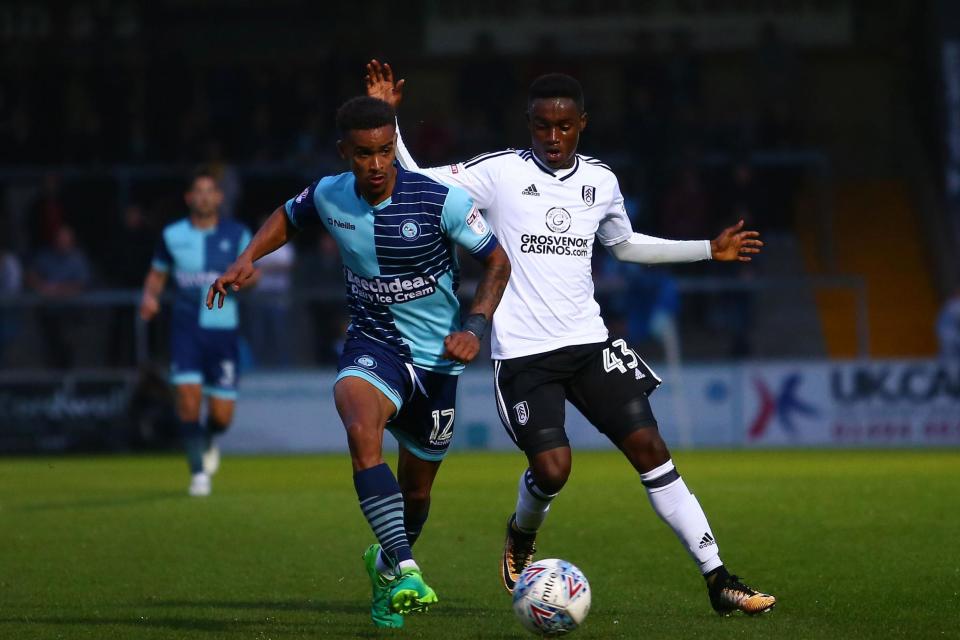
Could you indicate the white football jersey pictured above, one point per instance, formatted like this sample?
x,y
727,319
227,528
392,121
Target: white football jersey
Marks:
x,y
546,221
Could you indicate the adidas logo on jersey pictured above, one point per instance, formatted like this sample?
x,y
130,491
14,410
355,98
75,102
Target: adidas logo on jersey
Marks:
x,y
530,191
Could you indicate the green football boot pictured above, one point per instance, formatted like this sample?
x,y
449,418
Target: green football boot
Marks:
x,y
410,593
380,611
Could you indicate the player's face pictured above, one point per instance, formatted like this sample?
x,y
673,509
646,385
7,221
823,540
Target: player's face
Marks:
x,y
204,197
370,153
555,126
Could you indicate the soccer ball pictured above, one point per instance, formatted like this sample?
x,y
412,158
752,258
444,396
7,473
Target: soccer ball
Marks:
x,y
552,597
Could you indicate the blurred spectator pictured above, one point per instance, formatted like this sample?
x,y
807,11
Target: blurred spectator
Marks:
x,y
83,125
485,83
644,69
268,314
948,327
129,258
433,140
58,271
47,215
307,141
686,206
330,321
228,178
683,71
548,56
649,304
17,141
11,280
776,66
644,129
741,198
778,88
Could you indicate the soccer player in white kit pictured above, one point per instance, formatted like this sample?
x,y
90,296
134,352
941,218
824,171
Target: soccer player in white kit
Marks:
x,y
546,205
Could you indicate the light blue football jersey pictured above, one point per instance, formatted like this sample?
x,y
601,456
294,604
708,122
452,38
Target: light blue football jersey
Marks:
x,y
399,261
195,258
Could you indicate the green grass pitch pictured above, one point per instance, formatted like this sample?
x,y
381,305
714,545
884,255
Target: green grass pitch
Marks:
x,y
855,545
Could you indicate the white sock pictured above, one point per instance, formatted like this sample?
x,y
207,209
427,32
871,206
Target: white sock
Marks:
x,y
532,503
679,508
408,564
384,568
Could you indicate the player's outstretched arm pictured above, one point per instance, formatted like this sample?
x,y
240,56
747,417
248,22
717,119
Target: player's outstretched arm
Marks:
x,y
274,233
643,249
463,346
734,243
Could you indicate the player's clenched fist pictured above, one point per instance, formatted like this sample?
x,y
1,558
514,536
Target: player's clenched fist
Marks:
x,y
237,275
462,346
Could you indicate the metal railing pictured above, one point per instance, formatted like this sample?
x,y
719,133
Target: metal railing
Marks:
x,y
24,345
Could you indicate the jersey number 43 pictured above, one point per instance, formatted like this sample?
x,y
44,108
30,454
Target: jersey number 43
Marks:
x,y
626,360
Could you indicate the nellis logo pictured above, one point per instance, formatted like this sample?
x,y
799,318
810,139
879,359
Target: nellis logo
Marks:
x,y
349,226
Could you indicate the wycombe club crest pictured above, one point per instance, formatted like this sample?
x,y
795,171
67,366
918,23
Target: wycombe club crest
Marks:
x,y
409,229
588,194
367,362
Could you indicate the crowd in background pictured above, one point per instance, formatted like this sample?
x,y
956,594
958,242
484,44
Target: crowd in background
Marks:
x,y
76,223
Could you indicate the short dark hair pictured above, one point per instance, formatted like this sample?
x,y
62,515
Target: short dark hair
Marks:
x,y
556,85
203,171
363,112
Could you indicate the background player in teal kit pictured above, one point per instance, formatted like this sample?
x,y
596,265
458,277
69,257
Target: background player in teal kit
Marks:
x,y
203,343
405,347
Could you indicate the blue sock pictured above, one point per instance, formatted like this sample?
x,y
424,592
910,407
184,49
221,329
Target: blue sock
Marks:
x,y
382,505
194,442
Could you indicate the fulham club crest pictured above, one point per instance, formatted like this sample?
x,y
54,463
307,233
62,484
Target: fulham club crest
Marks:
x,y
588,194
523,412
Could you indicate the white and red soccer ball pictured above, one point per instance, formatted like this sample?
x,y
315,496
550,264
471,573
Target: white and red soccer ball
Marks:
x,y
552,597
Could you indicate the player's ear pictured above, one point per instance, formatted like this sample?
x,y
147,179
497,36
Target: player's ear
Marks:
x,y
583,121
342,149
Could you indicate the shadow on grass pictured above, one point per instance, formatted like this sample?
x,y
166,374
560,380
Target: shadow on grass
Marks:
x,y
104,503
443,609
358,608
195,626
218,617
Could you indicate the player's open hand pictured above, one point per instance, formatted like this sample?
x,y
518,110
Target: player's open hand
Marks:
x,y
735,244
380,84
240,273
462,346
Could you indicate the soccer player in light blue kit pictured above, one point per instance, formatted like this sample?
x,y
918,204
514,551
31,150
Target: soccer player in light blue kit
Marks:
x,y
405,347
203,344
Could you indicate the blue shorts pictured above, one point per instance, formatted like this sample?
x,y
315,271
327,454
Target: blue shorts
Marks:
x,y
207,357
425,400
